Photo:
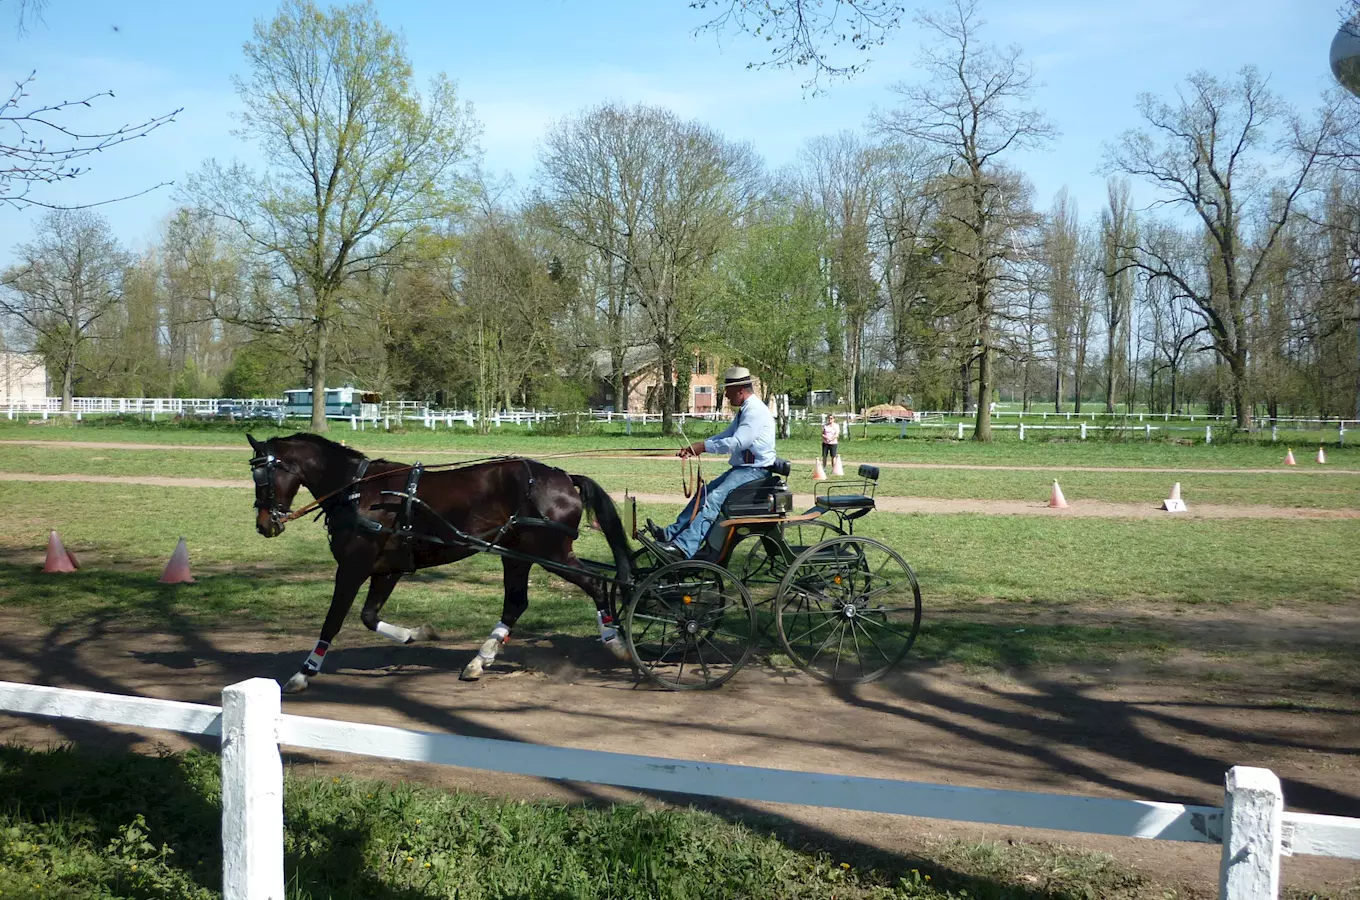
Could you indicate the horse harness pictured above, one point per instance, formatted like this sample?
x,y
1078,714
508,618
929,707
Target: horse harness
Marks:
x,y
342,511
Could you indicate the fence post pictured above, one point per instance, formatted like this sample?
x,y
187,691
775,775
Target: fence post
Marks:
x,y
1022,431
1083,431
1253,806
1274,432
960,431
1208,434
1341,435
1147,430
252,792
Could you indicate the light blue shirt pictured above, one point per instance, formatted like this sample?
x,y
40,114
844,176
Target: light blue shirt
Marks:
x,y
752,429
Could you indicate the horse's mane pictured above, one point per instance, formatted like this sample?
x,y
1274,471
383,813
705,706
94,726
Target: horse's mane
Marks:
x,y
323,444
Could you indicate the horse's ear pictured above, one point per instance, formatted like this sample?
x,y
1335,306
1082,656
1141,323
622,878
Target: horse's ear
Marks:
x,y
254,444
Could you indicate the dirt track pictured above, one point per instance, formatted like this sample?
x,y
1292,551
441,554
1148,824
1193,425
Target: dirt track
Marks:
x,y
1114,732
1076,508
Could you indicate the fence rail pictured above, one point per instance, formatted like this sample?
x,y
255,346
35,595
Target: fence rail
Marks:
x,y
1252,826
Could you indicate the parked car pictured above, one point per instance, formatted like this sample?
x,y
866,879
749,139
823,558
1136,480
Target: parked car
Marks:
x,y
230,409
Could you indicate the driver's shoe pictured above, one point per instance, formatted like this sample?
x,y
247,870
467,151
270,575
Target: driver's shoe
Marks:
x,y
655,531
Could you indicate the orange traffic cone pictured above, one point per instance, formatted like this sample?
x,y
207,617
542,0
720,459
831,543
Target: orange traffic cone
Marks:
x,y
177,569
818,473
1174,503
59,559
1289,458
1056,500
836,468
1322,455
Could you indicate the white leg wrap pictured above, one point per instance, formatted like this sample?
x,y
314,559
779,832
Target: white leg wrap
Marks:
x,y
316,658
395,633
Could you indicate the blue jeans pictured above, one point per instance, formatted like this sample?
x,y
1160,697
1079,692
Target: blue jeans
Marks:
x,y
689,533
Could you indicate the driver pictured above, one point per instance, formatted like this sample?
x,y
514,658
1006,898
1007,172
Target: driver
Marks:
x,y
750,442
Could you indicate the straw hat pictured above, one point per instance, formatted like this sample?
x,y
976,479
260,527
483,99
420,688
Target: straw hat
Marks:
x,y
737,376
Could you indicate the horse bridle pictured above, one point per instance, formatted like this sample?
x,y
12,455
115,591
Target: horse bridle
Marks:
x,y
262,470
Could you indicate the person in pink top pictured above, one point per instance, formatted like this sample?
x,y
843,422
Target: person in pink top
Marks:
x,y
831,438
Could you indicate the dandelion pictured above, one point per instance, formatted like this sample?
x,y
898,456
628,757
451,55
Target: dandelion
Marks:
x,y
845,865
427,865
410,859
335,781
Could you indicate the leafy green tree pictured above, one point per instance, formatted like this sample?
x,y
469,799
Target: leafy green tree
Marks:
x,y
771,314
359,162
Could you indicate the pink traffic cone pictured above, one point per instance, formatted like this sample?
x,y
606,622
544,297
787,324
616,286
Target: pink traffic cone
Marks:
x,y
58,558
1174,503
1056,500
177,569
818,473
1322,455
836,468
1289,458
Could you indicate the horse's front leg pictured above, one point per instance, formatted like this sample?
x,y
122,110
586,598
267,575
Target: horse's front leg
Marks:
x,y
516,602
348,579
379,589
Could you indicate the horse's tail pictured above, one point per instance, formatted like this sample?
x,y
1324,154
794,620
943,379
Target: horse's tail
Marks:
x,y
600,504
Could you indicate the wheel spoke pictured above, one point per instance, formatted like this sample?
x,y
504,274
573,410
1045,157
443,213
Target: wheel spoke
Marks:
x,y
824,645
719,651
890,629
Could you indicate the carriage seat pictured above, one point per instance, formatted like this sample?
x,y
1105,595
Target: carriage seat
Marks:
x,y
765,497
860,501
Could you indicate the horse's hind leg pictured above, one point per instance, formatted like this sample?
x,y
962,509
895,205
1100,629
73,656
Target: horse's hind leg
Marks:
x,y
379,589
596,590
516,602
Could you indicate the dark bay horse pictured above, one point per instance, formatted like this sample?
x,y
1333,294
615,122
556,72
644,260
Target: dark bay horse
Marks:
x,y
523,510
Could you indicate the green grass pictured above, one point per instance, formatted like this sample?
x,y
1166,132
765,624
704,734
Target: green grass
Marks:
x,y
1018,566
883,445
77,825
1310,487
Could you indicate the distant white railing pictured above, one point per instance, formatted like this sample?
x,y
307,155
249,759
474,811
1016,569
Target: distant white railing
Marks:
x,y
1253,827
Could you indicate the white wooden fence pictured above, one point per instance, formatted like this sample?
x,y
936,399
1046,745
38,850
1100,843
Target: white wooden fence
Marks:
x,y
1253,828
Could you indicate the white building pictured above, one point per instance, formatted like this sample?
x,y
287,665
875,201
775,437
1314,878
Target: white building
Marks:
x,y
23,377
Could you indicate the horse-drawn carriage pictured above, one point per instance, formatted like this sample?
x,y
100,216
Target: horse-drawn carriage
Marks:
x,y
845,608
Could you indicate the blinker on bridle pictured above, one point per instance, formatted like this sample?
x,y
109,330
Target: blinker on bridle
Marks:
x,y
262,470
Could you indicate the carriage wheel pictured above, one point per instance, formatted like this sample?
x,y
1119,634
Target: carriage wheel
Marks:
x,y
848,610
690,626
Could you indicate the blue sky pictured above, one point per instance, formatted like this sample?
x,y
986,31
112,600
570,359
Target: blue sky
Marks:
x,y
525,63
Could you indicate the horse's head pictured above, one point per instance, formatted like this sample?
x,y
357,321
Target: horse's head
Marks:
x,y
276,484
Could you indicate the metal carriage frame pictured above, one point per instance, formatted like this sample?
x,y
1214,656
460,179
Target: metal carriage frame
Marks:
x,y
845,608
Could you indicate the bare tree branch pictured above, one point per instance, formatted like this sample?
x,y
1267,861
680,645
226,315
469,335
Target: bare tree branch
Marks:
x,y
799,33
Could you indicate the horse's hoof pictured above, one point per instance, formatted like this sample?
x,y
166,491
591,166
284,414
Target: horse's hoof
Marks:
x,y
472,671
296,685
617,647
426,633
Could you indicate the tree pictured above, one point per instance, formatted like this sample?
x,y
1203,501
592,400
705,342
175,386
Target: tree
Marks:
x,y
771,313
653,199
359,163
67,278
972,111
795,31
593,169
1225,151
1117,235
1060,248
843,181
38,143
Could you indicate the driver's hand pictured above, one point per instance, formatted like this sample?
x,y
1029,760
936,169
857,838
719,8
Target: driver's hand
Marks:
x,y
694,449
